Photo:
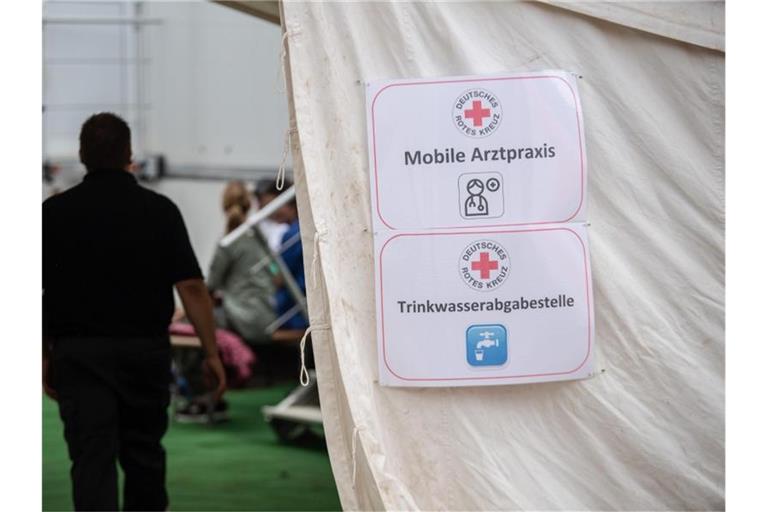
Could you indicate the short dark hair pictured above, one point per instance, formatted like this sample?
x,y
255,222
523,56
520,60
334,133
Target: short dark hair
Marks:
x,y
105,142
268,186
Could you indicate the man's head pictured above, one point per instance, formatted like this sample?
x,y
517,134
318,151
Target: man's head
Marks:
x,y
266,191
105,142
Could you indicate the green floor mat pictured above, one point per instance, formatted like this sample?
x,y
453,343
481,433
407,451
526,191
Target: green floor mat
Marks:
x,y
239,465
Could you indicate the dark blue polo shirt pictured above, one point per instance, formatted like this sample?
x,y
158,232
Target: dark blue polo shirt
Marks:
x,y
112,251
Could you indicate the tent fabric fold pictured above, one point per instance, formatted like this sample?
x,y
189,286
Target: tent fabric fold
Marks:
x,y
697,23
647,432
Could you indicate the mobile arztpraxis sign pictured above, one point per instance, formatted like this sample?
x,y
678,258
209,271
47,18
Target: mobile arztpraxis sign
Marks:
x,y
478,192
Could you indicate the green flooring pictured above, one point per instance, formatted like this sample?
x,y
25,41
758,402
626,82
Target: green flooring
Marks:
x,y
239,465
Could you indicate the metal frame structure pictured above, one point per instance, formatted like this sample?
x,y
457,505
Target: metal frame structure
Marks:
x,y
274,256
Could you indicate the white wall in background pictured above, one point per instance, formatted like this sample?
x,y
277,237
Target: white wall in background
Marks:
x,y
201,84
86,68
211,87
214,86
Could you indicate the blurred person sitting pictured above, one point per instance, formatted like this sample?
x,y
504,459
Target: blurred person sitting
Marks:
x,y
239,274
240,282
273,231
292,253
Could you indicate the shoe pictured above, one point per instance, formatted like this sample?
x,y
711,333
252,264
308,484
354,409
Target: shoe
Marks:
x,y
197,412
221,411
192,412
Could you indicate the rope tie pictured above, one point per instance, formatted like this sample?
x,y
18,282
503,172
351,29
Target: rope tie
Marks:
x,y
315,250
304,374
280,76
319,234
355,434
280,180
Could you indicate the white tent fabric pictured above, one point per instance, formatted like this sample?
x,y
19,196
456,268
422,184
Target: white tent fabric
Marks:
x,y
697,23
646,433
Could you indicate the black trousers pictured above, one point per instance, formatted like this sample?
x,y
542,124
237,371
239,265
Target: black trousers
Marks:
x,y
113,400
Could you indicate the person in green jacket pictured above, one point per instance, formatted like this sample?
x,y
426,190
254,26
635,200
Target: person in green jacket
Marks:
x,y
239,275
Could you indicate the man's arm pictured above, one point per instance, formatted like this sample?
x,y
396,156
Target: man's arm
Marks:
x,y
197,304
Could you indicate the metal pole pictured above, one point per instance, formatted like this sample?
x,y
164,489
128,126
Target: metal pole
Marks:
x,y
260,216
290,282
139,76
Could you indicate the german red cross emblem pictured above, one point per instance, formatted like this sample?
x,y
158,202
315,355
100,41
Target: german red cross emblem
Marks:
x,y
477,113
484,265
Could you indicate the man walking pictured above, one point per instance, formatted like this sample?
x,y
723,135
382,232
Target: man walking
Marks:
x,y
112,253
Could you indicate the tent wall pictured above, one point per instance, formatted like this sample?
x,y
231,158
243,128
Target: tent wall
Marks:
x,y
697,23
648,432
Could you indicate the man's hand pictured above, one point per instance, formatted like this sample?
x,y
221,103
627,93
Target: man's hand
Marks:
x,y
197,303
215,370
47,386
178,315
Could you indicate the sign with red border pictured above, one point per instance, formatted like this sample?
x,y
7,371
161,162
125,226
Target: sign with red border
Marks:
x,y
524,131
543,305
478,196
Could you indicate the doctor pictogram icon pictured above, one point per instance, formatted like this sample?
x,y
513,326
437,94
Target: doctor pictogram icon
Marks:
x,y
476,204
481,195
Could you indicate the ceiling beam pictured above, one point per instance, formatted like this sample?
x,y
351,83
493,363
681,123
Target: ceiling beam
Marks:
x,y
266,10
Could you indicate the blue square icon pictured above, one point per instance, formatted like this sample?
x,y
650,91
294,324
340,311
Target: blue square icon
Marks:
x,y
486,345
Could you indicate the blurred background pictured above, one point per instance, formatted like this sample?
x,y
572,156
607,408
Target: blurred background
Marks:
x,y
199,83
201,86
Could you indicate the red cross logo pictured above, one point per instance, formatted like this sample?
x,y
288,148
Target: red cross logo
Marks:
x,y
477,113
485,265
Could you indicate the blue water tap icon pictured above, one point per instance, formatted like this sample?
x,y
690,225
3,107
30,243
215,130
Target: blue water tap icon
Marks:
x,y
486,345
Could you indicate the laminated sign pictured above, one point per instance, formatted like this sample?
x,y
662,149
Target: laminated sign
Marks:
x,y
478,195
